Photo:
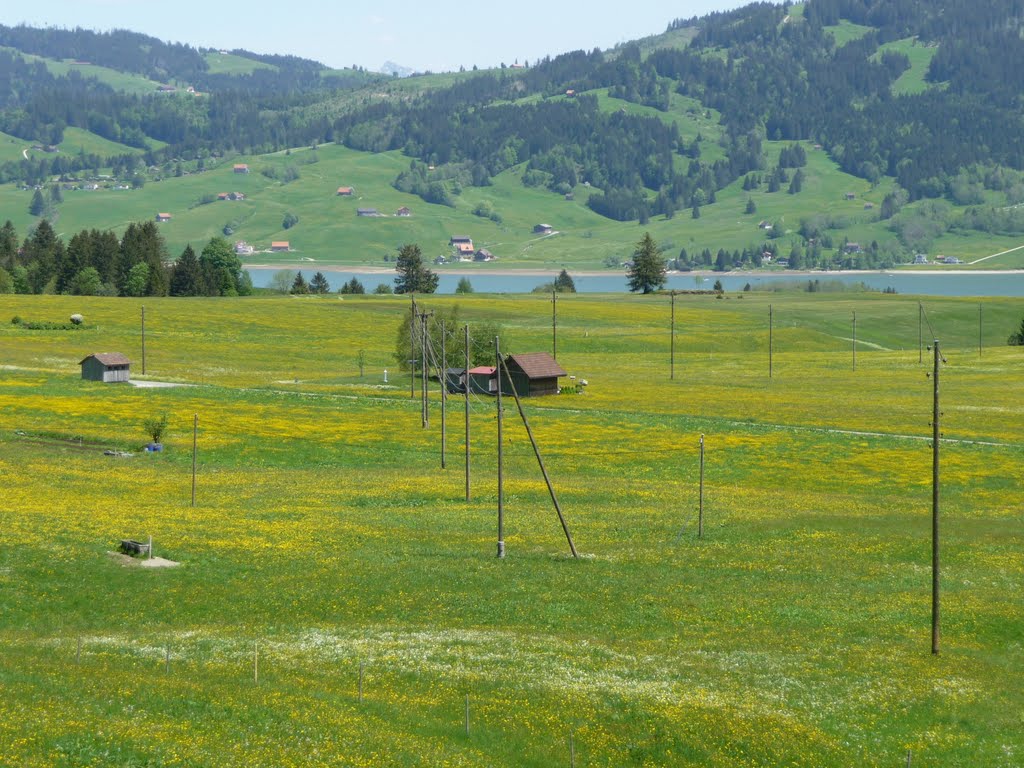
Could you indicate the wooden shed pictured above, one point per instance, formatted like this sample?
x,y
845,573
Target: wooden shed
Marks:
x,y
483,380
534,373
105,366
455,381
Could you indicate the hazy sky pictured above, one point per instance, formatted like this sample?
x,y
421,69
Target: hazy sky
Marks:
x,y
438,35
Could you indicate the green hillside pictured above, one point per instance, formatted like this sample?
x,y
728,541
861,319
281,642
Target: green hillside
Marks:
x,y
920,55
231,64
12,148
120,81
330,232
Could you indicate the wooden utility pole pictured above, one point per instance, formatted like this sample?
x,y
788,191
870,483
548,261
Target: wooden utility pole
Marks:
x,y
770,330
554,325
540,461
501,456
466,401
412,346
700,503
143,340
195,442
855,339
935,500
672,343
443,377
424,353
979,331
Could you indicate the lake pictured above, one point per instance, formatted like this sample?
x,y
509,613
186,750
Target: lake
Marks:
x,y
915,283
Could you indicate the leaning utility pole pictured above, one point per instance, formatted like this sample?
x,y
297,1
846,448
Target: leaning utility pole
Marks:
x,y
501,478
540,461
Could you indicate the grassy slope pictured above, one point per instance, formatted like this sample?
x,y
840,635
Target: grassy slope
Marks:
x,y
846,31
230,64
11,148
912,81
77,140
120,81
795,633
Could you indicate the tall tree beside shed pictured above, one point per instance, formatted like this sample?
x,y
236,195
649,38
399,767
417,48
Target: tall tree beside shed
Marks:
x,y
44,253
646,273
187,276
8,246
77,256
413,276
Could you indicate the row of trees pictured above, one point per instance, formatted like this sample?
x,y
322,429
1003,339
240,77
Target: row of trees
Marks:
x,y
98,263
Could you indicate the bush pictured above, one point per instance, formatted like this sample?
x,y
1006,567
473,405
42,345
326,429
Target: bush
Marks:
x,y
155,426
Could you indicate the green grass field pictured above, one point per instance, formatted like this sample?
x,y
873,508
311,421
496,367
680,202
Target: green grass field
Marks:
x,y
11,148
912,81
230,64
120,81
338,600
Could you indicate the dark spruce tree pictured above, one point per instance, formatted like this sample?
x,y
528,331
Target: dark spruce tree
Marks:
x,y
299,286
319,284
564,283
646,272
413,276
187,276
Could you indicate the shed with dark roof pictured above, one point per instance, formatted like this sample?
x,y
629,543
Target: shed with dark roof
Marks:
x,y
534,373
106,367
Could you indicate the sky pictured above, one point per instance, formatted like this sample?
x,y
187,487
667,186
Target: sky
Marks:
x,y
439,35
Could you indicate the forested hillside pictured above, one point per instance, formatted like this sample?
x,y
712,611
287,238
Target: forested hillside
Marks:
x,y
920,99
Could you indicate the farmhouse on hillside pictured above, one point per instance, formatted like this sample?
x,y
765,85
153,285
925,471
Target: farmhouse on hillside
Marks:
x,y
345,191
241,168
463,245
403,211
534,373
483,255
543,229
105,366
162,217
280,245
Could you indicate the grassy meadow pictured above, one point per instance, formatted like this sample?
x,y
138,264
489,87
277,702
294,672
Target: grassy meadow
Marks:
x,y
338,601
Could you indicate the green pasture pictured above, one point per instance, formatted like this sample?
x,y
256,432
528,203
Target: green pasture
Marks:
x,y
11,148
338,599
231,64
912,81
846,31
78,140
121,81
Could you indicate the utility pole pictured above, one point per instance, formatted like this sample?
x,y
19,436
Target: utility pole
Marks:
x,y
672,343
935,500
770,330
443,377
195,442
412,346
424,350
501,478
554,326
540,461
979,331
466,399
143,340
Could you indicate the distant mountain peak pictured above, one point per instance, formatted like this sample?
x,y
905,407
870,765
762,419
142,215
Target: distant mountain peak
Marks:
x,y
390,68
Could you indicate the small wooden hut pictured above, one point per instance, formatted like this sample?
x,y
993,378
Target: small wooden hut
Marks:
x,y
106,367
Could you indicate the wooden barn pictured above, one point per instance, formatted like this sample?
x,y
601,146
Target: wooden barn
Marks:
x,y
105,366
534,374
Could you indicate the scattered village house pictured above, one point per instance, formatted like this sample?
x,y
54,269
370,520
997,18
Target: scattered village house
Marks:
x,y
403,211
242,248
483,380
483,255
463,246
534,374
853,248
345,191
106,367
162,217
543,229
280,245
241,168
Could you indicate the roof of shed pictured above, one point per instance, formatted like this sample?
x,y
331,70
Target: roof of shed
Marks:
x,y
109,358
538,365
